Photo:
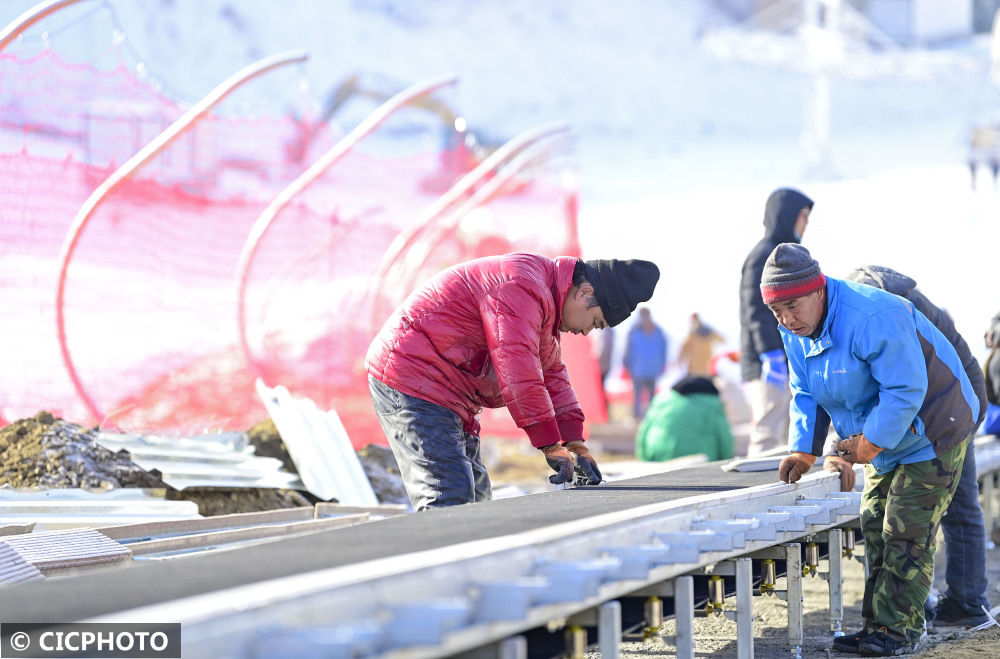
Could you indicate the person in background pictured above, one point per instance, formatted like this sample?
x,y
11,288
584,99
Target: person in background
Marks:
x,y
698,346
645,359
485,333
895,387
764,369
991,426
964,529
687,419
605,354
984,149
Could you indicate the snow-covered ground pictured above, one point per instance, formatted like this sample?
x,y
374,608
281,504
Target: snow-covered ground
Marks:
x,y
678,149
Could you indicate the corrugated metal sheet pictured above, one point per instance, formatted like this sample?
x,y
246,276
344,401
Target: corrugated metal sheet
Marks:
x,y
220,460
319,446
73,508
14,569
56,550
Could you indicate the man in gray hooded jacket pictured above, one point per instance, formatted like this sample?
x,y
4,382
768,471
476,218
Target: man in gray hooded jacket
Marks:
x,y
964,529
762,355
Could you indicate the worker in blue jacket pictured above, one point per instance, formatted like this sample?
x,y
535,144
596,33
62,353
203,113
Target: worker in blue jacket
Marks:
x,y
894,386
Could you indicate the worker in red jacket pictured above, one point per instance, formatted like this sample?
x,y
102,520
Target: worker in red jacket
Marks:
x,y
485,333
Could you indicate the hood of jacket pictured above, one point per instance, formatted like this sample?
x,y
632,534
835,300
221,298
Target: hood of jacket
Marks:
x,y
780,213
885,278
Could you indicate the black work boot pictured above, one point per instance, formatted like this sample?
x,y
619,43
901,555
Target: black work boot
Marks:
x,y
849,642
880,644
949,613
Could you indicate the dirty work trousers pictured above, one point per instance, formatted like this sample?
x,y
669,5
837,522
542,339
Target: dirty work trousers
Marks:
x,y
900,513
440,463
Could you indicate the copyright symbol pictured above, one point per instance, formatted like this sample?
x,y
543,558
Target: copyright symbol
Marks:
x,y
20,641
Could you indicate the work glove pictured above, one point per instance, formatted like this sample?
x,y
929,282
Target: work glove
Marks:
x,y
775,368
561,462
586,465
836,464
856,449
794,465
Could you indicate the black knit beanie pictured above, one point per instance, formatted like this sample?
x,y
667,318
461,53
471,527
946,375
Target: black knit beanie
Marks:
x,y
790,272
620,286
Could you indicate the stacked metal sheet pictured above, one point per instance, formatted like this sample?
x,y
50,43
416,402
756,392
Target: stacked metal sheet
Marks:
x,y
48,510
14,569
216,460
71,548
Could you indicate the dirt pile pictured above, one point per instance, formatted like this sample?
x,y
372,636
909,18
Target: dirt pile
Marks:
x,y
49,453
46,452
266,442
229,500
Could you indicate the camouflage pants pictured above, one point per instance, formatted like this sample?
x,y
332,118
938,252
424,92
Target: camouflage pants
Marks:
x,y
900,513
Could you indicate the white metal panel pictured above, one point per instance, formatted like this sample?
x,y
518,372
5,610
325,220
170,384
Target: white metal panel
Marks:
x,y
319,446
47,510
221,460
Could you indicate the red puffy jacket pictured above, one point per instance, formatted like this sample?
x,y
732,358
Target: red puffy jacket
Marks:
x,y
486,334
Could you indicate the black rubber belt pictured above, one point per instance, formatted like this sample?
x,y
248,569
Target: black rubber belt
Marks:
x,y
149,582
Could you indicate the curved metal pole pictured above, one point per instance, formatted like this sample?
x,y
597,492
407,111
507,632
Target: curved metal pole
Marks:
x,y
541,150
29,18
307,178
126,171
404,240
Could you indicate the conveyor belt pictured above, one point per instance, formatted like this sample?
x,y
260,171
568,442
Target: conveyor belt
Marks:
x,y
107,591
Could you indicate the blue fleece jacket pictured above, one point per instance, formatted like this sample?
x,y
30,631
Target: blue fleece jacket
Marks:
x,y
878,367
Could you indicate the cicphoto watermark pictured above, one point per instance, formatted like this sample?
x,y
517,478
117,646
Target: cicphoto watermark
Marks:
x,y
96,640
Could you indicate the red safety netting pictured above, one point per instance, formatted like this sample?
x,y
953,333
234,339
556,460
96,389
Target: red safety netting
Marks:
x,y
152,295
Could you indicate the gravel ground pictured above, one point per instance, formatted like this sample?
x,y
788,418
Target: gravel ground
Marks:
x,y
716,636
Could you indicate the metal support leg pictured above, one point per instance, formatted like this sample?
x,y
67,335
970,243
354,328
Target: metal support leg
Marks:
x,y
684,613
994,503
515,647
609,629
576,642
836,580
989,498
793,564
744,608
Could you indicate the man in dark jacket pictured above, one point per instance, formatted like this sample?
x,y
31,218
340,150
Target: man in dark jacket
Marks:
x,y
485,333
964,529
762,356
